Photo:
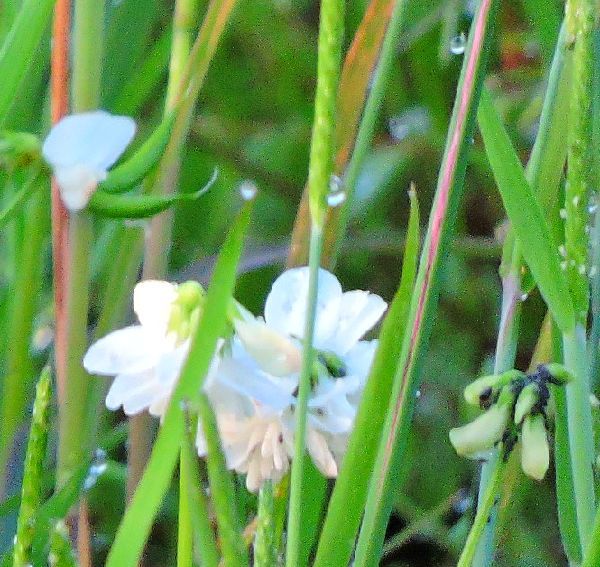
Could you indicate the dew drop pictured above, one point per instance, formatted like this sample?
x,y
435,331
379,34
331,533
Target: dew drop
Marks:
x,y
563,213
248,190
418,394
592,209
458,44
562,250
335,199
582,269
524,297
335,183
563,265
593,271
97,468
576,201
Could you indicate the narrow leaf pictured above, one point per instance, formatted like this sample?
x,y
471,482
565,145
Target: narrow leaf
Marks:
x,y
525,214
350,491
137,522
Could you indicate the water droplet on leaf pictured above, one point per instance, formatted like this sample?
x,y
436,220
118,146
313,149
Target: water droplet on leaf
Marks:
x,y
458,44
248,190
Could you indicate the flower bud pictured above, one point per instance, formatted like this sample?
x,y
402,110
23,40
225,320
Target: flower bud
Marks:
x,y
482,389
558,373
189,295
274,353
482,433
527,399
535,451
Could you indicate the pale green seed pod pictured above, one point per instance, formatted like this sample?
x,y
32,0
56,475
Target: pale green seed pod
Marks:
x,y
486,386
481,434
529,396
535,450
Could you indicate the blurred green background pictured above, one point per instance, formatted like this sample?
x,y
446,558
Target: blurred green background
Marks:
x,y
253,122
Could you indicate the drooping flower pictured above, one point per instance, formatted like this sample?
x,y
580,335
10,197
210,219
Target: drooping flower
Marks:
x,y
146,359
81,148
253,391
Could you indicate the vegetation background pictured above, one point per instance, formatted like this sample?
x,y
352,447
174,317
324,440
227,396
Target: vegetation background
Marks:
x,y
253,121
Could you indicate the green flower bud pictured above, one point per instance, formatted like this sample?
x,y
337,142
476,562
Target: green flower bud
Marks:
x,y
529,396
535,450
189,295
479,436
484,388
557,372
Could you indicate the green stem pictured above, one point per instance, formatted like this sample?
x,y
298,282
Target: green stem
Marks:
x,y
293,548
265,545
319,174
580,431
25,301
184,531
483,514
76,428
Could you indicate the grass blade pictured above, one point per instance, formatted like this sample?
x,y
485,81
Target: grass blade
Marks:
x,y
350,491
525,214
424,300
19,47
135,526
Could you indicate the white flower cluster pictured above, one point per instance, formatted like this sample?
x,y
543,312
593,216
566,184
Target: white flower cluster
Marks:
x,y
253,383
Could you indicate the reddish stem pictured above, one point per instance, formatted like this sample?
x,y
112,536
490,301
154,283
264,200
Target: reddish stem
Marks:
x,y
59,105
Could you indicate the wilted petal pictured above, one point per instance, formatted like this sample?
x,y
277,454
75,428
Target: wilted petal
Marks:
x,y
129,350
285,309
359,312
152,300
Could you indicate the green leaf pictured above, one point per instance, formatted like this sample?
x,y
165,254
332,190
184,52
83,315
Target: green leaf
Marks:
x,y
350,492
388,468
137,521
530,226
19,48
31,184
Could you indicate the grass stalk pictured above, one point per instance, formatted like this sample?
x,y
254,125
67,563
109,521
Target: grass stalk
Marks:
x,y
580,18
319,176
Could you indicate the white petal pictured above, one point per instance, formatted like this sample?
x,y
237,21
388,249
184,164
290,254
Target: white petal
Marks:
x,y
129,350
152,301
140,399
94,139
359,312
76,184
274,353
320,453
285,308
169,366
259,387
134,392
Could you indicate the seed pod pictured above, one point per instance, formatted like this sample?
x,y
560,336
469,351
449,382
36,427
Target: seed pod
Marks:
x,y
132,171
555,373
535,450
528,398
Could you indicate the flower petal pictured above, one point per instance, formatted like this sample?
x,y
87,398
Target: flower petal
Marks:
x,y
320,453
77,184
94,139
152,301
285,308
129,350
359,312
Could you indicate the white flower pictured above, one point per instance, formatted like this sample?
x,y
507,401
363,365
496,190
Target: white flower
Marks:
x,y
145,359
81,148
253,392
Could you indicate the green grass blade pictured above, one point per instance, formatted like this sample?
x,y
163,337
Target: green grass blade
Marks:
x,y
32,492
19,48
204,537
393,443
525,214
350,491
137,521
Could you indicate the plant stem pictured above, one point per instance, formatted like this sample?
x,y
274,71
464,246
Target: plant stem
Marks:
x,y
25,298
483,514
184,532
319,175
293,548
265,545
580,431
580,18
